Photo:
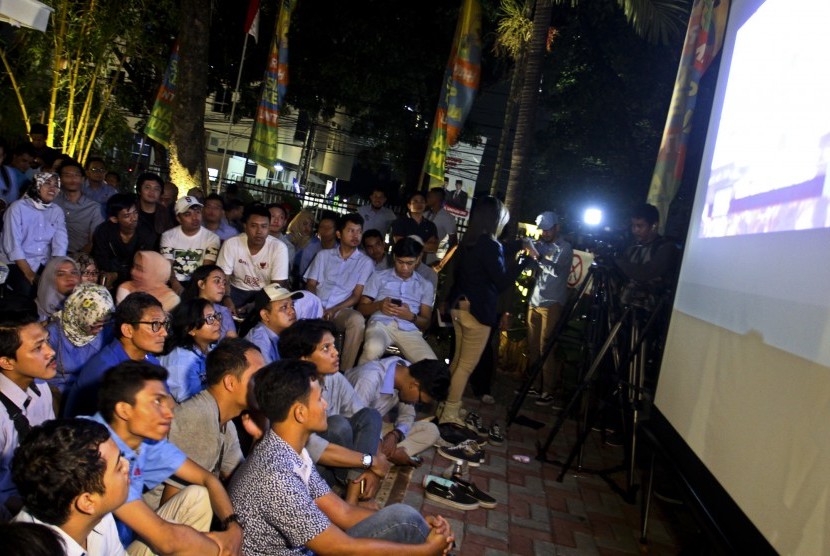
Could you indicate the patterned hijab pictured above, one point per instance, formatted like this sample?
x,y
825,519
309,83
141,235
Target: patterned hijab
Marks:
x,y
295,229
86,305
33,193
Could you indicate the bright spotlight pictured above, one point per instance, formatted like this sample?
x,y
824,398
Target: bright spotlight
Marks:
x,y
592,217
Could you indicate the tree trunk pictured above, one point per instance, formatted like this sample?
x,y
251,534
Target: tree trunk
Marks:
x,y
187,144
525,122
507,123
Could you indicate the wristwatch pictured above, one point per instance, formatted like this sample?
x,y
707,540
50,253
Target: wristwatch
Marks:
x,y
367,461
414,318
233,518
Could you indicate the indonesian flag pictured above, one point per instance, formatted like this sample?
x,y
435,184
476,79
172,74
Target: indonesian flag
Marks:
x,y
252,20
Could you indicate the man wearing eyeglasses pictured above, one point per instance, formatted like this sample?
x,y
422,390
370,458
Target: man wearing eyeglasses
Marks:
x,y
398,302
82,214
140,329
96,187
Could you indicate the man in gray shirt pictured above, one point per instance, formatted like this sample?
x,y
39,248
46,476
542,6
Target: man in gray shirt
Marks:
x,y
82,214
552,256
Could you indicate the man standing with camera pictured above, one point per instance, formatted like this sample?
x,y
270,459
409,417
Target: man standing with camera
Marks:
x,y
552,258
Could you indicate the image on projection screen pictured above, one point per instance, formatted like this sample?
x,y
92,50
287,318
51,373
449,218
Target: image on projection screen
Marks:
x,y
769,169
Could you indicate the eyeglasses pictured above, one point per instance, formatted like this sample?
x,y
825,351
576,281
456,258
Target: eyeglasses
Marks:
x,y
154,325
212,318
90,274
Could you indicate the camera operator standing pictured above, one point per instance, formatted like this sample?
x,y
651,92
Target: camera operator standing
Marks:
x,y
552,257
650,263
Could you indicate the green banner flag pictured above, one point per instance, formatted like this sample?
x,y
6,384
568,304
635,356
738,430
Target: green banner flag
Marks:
x,y
159,127
460,85
264,141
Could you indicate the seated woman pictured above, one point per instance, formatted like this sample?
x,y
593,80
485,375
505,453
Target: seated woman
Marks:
x,y
273,312
150,274
79,331
59,278
88,268
193,333
209,282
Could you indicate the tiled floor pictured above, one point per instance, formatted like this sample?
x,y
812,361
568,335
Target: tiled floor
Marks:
x,y
537,515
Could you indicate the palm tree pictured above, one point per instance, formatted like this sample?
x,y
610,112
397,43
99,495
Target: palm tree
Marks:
x,y
654,20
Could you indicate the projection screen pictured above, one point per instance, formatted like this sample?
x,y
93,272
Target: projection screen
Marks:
x,y
745,379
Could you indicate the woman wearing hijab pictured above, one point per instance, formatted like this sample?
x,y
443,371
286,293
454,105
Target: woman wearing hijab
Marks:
x,y
77,332
34,231
150,274
58,279
300,233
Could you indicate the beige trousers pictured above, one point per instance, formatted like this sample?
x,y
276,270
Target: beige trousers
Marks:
x,y
540,324
190,506
353,323
380,335
470,339
422,436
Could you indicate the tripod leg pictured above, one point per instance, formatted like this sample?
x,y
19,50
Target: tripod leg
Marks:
x,y
645,508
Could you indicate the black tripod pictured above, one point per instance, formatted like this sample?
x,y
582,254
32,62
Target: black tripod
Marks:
x,y
600,285
628,394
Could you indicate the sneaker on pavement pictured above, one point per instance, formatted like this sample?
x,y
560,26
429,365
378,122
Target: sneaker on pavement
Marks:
x,y
532,393
470,489
474,423
544,399
495,436
453,434
469,451
454,496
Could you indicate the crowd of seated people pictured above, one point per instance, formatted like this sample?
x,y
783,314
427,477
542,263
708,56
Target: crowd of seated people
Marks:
x,y
145,340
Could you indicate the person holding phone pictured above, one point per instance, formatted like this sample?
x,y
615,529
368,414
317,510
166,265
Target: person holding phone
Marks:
x,y
398,302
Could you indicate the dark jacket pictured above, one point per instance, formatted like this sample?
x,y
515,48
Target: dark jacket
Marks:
x,y
481,274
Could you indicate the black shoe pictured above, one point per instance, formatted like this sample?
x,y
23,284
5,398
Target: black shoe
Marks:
x,y
469,488
532,393
454,496
455,434
468,451
473,422
495,436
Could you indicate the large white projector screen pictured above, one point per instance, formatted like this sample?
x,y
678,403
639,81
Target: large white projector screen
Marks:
x,y
745,378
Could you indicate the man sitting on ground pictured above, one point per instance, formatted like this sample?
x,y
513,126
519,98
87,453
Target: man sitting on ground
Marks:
x,y
71,475
392,386
398,303
252,260
284,504
82,214
116,241
136,409
337,277
188,245
350,423
26,362
213,217
202,427
140,329
273,312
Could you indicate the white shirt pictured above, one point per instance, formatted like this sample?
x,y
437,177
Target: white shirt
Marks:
x,y
446,226
379,220
102,541
337,277
37,411
253,272
189,252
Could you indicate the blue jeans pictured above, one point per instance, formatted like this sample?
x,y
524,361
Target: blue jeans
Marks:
x,y
360,432
395,523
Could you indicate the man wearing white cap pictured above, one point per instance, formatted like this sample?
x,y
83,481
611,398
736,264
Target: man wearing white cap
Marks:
x,y
188,245
552,256
273,312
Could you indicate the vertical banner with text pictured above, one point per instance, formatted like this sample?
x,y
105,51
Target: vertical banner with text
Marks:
x,y
264,142
159,126
460,86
